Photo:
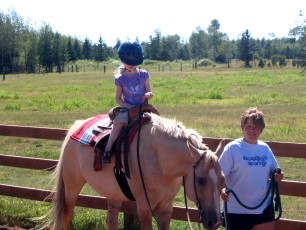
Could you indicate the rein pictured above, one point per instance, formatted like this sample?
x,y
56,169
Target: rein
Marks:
x,y
273,188
139,165
195,190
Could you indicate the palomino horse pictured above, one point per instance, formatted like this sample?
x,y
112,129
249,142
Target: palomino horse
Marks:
x,y
167,152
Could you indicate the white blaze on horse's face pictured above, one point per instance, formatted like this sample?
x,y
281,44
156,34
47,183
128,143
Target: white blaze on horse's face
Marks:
x,y
204,183
207,186
215,180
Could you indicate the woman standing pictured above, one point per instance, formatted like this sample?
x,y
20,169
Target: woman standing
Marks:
x,y
248,165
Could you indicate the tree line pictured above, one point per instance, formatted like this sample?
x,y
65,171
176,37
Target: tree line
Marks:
x,y
26,50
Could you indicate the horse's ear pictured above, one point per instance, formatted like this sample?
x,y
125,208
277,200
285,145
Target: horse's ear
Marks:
x,y
220,148
195,153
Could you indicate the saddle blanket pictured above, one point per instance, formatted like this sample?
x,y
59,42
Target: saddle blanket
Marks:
x,y
87,133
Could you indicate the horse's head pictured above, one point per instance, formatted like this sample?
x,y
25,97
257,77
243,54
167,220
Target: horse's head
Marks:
x,y
203,183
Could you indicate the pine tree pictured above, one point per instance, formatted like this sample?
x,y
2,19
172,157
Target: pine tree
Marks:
x,y
244,48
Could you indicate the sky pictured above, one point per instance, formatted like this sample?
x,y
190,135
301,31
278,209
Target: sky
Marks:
x,y
131,19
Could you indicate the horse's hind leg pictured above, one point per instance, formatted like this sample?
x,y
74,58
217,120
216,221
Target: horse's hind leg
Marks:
x,y
74,182
112,214
72,190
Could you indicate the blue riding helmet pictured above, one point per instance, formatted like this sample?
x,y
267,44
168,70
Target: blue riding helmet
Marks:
x,y
131,53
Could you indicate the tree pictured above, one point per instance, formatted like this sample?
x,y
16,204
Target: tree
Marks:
x,y
170,47
72,55
244,48
300,31
215,39
31,54
302,52
77,49
100,50
184,52
87,49
45,47
198,44
2,44
57,52
226,52
118,43
153,49
11,29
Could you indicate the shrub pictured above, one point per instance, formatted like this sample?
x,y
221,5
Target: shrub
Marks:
x,y
205,62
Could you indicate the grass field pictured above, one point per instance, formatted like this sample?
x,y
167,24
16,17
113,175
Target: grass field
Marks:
x,y
209,100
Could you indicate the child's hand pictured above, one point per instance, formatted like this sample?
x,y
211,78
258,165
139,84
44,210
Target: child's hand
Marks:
x,y
148,95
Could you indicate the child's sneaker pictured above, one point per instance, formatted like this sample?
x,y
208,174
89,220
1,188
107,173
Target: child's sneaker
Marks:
x,y
106,157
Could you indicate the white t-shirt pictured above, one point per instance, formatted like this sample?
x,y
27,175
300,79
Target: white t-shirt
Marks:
x,y
247,169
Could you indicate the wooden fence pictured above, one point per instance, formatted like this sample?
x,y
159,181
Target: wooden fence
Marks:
x,y
283,149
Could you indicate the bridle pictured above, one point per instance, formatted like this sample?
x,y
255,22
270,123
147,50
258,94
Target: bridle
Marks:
x,y
195,165
195,188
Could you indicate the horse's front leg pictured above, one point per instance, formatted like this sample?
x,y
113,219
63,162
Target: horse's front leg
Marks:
x,y
145,218
163,216
113,209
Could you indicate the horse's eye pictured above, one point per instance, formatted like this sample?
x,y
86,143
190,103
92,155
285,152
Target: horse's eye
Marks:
x,y
202,180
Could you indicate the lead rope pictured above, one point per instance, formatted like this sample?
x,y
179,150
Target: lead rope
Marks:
x,y
186,205
273,187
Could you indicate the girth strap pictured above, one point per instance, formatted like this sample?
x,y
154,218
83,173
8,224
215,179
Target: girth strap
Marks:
x,y
125,139
122,181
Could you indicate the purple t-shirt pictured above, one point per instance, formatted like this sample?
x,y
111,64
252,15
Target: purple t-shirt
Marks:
x,y
133,87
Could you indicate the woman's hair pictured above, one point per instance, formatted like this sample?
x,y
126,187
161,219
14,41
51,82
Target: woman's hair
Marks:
x,y
256,115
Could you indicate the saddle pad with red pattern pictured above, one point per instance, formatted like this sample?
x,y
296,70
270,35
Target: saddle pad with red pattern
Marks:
x,y
87,133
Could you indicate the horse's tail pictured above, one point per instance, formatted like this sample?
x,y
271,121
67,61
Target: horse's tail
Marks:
x,y
56,214
54,219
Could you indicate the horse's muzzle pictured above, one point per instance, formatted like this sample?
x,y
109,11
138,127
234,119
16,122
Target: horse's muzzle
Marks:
x,y
211,220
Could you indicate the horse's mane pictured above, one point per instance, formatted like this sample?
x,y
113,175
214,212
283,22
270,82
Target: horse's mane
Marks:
x,y
176,129
171,126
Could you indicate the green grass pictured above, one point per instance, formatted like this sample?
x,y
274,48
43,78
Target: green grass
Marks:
x,y
209,100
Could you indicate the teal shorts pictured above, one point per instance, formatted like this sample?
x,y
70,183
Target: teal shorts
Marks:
x,y
123,116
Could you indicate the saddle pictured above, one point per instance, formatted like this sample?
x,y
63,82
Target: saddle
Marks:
x,y
136,119
104,132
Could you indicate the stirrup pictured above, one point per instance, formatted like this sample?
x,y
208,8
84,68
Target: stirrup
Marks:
x,y
106,157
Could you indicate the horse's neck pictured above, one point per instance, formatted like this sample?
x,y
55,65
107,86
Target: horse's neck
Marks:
x,y
173,157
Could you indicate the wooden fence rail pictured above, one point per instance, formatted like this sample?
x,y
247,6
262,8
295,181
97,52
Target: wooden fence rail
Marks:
x,y
284,149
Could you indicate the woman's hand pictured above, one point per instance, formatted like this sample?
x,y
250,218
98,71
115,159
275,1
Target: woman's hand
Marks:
x,y
278,176
224,195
